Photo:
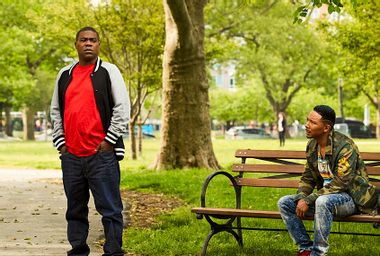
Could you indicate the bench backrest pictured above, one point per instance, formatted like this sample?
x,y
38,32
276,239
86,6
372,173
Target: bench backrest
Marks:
x,y
285,165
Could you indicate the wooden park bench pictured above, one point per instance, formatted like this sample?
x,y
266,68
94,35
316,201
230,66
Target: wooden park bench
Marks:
x,y
279,174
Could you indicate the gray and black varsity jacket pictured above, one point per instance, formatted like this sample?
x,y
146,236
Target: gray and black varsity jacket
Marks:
x,y
111,98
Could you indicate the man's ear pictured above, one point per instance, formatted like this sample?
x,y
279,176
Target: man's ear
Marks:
x,y
327,128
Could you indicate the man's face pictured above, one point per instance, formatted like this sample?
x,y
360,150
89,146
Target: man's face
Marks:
x,y
88,46
315,126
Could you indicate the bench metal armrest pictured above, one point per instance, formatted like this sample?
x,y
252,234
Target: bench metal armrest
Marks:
x,y
207,182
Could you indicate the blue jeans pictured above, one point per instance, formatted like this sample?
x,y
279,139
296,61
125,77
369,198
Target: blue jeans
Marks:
x,y
324,209
99,173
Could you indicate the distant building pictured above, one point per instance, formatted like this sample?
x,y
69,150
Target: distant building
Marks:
x,y
223,76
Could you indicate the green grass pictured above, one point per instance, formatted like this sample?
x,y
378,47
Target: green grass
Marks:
x,y
179,232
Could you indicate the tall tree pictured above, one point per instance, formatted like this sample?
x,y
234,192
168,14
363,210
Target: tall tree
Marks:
x,y
186,129
37,48
282,56
358,38
132,38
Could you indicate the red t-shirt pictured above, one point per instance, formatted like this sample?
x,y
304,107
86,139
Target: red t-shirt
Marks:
x,y
82,123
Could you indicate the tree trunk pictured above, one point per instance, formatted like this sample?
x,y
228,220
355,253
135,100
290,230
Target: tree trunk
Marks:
x,y
1,119
378,120
45,123
132,139
28,121
139,135
8,122
186,125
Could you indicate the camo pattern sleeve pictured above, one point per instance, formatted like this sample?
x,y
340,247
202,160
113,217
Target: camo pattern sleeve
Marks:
x,y
307,183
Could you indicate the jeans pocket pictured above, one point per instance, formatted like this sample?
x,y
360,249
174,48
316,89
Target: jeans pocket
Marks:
x,y
106,156
63,155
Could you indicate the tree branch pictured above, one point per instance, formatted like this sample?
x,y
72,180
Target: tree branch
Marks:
x,y
177,12
266,87
372,100
34,65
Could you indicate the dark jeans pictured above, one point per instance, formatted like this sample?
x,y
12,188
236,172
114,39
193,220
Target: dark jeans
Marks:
x,y
99,173
281,135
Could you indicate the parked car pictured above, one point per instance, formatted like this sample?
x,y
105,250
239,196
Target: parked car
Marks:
x,y
242,132
342,128
353,128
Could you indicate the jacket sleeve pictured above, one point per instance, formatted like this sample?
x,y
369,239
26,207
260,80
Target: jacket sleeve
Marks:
x,y
56,119
121,109
306,184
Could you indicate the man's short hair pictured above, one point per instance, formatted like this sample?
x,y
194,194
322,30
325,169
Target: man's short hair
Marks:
x,y
87,29
327,113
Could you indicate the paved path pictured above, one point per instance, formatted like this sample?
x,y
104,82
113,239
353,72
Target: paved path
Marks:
x,y
32,214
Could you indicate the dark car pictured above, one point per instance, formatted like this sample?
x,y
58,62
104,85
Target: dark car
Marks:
x,y
356,128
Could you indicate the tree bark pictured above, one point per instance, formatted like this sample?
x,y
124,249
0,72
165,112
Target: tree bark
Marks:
x,y
8,121
375,101
28,123
186,125
132,139
139,136
378,119
1,119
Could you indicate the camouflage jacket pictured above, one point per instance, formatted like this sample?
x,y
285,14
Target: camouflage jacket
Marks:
x,y
349,173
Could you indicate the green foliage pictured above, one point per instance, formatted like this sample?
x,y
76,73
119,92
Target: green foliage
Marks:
x,y
357,36
133,39
274,57
306,99
34,47
270,49
40,40
244,104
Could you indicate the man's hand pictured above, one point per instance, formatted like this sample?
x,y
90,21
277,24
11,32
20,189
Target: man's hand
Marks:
x,y
302,208
104,146
63,150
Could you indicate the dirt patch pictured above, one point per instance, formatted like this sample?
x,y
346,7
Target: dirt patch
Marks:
x,y
141,209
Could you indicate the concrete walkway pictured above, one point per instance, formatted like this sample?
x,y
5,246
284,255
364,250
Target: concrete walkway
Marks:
x,y
32,214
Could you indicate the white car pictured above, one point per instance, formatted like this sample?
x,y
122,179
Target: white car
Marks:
x,y
241,132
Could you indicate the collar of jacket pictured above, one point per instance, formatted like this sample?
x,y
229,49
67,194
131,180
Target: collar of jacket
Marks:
x,y
329,145
96,67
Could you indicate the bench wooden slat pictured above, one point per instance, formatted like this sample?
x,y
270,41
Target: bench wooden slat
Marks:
x,y
280,168
370,156
371,170
291,154
275,183
265,154
275,168
376,183
232,212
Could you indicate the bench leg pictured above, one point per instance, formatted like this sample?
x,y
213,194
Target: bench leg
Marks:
x,y
216,231
239,237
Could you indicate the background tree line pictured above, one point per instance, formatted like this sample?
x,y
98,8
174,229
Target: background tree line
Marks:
x,y
288,68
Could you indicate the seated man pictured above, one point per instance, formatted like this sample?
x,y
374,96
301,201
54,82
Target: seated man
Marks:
x,y
335,168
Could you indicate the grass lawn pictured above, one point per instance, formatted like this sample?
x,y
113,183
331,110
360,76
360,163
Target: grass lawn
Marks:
x,y
179,232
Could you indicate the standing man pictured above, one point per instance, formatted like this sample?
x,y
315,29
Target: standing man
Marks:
x,y
335,168
89,113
